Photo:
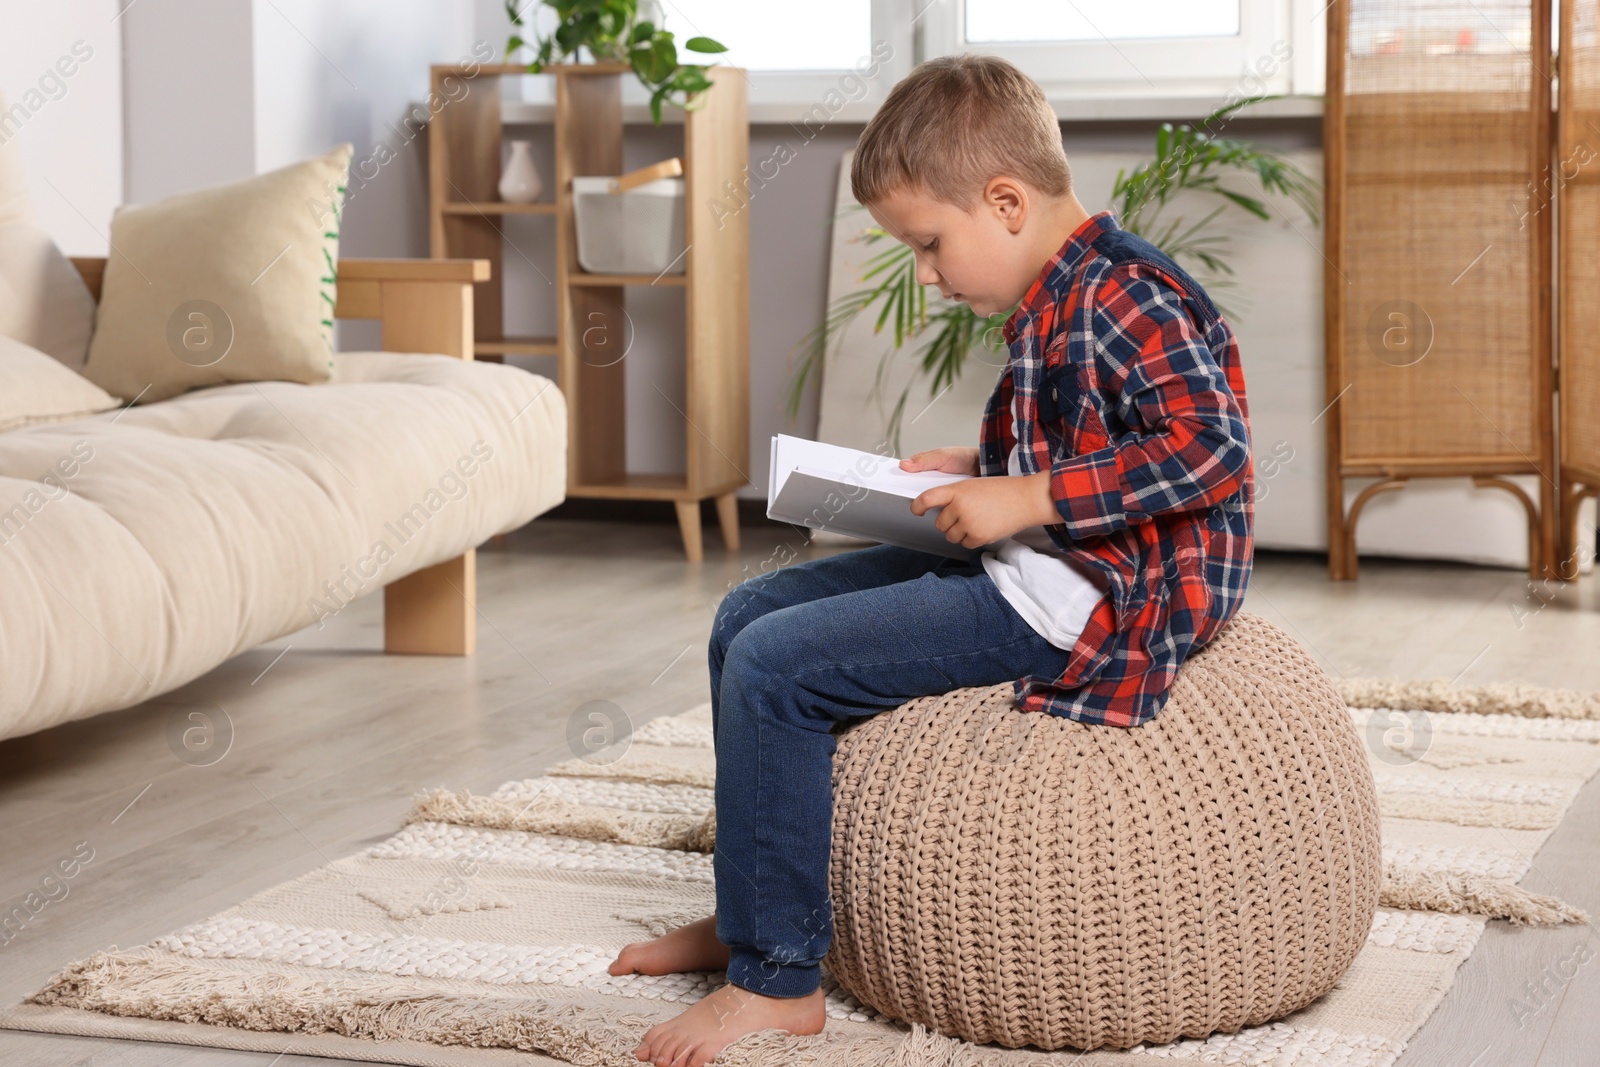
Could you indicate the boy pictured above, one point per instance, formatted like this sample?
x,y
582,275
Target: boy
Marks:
x,y
1114,469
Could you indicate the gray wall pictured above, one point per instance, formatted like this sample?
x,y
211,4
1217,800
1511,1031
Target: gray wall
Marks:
x,y
790,230
790,235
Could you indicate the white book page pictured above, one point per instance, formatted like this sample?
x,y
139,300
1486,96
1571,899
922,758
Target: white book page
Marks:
x,y
849,465
909,484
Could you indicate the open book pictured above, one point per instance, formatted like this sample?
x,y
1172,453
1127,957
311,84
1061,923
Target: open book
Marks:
x,y
860,494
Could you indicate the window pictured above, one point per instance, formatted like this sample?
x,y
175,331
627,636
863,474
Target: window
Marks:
x,y
1031,20
831,60
1120,49
819,35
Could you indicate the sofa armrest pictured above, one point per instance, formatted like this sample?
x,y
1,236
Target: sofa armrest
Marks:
x,y
423,305
414,270
93,271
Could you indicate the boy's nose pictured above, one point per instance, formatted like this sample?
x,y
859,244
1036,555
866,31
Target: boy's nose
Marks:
x,y
926,275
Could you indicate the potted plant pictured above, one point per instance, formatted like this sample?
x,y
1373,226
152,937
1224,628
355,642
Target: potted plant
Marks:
x,y
612,31
1187,159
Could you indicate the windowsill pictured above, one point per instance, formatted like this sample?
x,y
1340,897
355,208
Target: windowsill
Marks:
x,y
1068,109
1178,108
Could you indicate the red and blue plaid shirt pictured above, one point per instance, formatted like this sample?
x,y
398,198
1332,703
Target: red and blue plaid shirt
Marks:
x,y
1128,390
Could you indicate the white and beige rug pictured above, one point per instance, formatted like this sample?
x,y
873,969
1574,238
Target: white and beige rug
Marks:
x,y
482,931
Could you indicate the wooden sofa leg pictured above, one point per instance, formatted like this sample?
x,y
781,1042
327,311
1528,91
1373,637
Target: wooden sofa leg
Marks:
x,y
433,612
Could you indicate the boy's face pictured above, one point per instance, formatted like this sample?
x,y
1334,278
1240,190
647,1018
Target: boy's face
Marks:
x,y
978,256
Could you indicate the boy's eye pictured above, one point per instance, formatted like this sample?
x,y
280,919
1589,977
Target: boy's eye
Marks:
x,y
931,245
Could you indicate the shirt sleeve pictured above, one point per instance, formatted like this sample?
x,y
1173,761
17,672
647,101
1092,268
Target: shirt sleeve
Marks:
x,y
1186,445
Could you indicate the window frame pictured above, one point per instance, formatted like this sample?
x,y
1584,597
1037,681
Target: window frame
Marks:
x,y
1277,51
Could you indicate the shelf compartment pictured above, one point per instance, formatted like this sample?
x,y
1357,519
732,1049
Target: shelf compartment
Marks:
x,y
494,207
584,278
636,486
518,346
651,486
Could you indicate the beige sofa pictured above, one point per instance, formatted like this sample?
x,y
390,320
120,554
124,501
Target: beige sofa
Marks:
x,y
197,527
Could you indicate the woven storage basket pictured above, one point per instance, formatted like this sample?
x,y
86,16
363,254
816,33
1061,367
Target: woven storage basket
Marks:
x,y
1025,879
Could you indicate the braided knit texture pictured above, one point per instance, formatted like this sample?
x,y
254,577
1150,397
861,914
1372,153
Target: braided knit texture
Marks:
x,y
1027,879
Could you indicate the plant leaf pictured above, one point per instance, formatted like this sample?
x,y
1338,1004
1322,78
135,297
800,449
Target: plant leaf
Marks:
x,y
704,44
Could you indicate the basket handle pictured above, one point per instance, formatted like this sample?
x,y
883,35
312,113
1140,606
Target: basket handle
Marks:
x,y
667,168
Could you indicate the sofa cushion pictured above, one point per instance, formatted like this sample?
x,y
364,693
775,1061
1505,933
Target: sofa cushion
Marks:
x,y
230,284
39,389
43,301
196,528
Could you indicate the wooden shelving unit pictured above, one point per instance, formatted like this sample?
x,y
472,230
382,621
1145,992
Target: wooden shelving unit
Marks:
x,y
465,219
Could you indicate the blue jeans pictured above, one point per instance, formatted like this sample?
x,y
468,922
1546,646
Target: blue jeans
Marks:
x,y
795,652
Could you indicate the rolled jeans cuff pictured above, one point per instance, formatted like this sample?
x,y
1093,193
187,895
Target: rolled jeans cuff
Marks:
x,y
750,969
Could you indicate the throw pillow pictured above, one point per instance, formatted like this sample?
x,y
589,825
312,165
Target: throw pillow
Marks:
x,y
39,389
235,283
43,301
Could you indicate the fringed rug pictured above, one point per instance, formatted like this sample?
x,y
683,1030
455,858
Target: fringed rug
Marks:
x,y
481,933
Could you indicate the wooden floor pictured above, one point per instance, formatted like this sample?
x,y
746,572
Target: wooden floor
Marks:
x,y
330,739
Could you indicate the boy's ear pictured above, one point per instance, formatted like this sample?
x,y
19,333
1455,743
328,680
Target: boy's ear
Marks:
x,y
1008,199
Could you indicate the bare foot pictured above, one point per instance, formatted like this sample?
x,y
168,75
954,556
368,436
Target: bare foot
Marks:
x,y
720,1018
693,947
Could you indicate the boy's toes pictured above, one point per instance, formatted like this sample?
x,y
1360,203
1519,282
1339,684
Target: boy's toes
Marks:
x,y
667,1054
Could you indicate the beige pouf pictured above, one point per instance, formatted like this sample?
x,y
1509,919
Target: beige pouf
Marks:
x,y
1028,880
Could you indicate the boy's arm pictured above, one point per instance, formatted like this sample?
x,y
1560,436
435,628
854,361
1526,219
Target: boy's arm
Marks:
x,y
1189,447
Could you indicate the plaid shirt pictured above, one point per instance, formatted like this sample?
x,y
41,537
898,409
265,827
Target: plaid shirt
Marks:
x,y
1128,390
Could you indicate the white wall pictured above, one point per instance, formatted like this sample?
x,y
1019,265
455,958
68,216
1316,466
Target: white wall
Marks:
x,y
347,71
220,90
71,137
188,95
214,91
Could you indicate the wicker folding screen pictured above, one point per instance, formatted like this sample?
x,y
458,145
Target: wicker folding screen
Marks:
x,y
1577,179
1437,140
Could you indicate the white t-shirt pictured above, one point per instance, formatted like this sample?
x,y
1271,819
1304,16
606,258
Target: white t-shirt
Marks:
x,y
1053,594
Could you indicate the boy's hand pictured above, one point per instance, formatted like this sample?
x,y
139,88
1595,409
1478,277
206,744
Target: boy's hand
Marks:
x,y
955,459
982,510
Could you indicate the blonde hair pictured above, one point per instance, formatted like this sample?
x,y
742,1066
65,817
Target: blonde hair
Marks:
x,y
952,124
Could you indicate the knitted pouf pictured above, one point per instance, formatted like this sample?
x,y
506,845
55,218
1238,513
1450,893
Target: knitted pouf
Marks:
x,y
1025,879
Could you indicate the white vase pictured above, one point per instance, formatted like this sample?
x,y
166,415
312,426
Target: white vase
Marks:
x,y
519,180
